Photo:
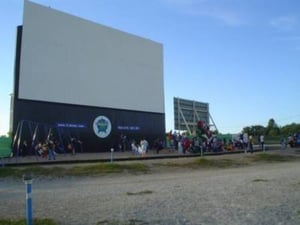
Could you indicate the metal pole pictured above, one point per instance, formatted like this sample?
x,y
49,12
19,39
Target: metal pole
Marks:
x,y
27,178
111,155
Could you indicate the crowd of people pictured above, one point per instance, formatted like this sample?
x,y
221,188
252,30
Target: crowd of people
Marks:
x,y
294,140
49,148
184,143
141,147
180,142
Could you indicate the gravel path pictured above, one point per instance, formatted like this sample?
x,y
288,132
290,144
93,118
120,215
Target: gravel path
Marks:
x,y
261,194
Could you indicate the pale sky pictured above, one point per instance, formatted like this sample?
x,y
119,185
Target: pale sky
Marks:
x,y
240,56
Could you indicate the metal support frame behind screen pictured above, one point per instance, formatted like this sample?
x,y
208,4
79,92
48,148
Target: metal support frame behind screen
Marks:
x,y
188,112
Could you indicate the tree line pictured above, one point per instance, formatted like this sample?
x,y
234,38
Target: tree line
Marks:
x,y
272,129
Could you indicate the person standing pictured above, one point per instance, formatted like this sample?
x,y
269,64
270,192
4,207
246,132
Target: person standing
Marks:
x,y
186,145
134,148
73,143
144,145
251,144
24,148
158,145
180,147
124,142
51,150
283,143
262,142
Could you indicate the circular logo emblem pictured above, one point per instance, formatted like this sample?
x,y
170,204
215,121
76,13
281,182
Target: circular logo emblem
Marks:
x,y
102,126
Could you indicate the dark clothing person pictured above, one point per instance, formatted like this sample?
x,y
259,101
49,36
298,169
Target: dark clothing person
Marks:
x,y
24,149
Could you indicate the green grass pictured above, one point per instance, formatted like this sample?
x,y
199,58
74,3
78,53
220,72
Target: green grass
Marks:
x,y
138,168
89,170
36,171
206,163
103,168
265,157
35,221
219,163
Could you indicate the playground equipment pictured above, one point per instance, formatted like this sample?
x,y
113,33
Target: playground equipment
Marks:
x,y
36,134
208,139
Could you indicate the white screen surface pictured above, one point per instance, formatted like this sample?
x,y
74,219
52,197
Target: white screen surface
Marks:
x,y
65,59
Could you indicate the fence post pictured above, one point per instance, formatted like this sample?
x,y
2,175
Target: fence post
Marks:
x,y
27,178
111,155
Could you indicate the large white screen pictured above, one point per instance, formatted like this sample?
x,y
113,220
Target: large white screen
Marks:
x,y
66,59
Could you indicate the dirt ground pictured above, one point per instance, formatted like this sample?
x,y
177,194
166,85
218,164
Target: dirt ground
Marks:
x,y
259,193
